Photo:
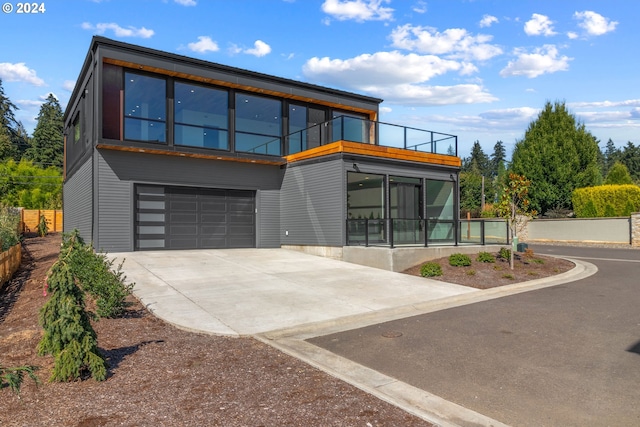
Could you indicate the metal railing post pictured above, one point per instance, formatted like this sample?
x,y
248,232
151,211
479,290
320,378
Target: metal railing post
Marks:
x,y
390,229
482,231
366,233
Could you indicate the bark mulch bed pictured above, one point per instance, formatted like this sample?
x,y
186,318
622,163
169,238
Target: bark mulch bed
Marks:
x,y
162,376
485,275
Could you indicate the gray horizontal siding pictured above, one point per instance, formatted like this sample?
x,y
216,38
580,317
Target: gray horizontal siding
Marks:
x,y
114,213
312,204
268,219
77,202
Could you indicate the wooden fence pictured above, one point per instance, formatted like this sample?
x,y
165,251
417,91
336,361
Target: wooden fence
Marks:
x,y
31,217
9,263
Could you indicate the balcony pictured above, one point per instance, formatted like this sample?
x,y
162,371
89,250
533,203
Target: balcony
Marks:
x,y
357,130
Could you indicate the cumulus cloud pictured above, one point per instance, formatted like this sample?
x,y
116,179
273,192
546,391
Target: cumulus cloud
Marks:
x,y
358,10
539,25
487,21
186,2
19,72
542,60
453,42
119,31
605,104
259,49
204,45
594,23
26,104
572,35
397,78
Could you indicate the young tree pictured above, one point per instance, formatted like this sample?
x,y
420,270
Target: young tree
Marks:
x,y
514,205
558,155
47,144
618,174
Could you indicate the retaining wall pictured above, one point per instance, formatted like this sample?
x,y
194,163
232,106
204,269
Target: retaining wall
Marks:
x,y
9,263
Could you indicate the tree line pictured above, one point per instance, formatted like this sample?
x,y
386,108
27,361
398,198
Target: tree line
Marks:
x,y
31,166
557,154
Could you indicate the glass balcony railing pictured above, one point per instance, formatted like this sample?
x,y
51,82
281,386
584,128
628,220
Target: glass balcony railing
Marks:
x,y
419,232
354,129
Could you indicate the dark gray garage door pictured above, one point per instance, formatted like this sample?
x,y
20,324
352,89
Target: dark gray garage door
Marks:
x,y
194,218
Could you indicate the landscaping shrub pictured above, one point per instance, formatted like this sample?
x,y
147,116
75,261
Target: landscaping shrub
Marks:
x,y
485,257
505,254
13,377
43,226
606,200
459,260
96,275
431,269
9,220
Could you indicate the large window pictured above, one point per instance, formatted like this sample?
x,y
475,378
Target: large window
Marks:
x,y
365,196
145,110
297,140
440,211
258,124
201,116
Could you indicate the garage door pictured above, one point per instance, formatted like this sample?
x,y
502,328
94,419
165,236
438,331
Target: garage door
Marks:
x,y
194,218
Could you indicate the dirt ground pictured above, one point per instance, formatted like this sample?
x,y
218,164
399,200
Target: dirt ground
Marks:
x,y
484,275
162,376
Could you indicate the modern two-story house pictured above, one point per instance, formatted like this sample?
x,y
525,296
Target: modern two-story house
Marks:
x,y
164,151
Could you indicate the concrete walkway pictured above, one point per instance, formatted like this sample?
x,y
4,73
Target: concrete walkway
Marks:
x,y
285,298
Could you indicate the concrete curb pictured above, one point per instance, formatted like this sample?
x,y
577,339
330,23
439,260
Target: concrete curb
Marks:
x,y
418,402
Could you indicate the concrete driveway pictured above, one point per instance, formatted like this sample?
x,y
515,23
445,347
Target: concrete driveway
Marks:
x,y
251,291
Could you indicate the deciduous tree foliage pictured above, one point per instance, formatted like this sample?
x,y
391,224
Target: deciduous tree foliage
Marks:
x,y
25,185
558,155
515,203
47,144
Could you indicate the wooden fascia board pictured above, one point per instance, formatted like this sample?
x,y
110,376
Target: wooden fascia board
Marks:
x,y
375,151
161,152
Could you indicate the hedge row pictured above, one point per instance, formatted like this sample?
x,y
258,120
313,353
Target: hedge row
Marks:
x,y
606,201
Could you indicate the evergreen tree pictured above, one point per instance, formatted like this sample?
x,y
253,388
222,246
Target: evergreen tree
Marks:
x,y
618,175
630,157
12,135
558,155
47,144
611,155
68,334
478,161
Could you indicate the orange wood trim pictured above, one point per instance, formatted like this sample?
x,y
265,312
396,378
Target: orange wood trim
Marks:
x,y
277,162
375,151
370,113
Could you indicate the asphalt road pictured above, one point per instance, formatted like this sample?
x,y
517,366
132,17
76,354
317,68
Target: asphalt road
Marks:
x,y
567,355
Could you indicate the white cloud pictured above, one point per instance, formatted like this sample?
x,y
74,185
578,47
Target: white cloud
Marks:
x,y
594,23
29,103
186,2
119,31
605,104
420,7
69,85
358,10
397,78
203,45
259,49
454,42
19,72
539,25
487,21
572,35
543,60
385,110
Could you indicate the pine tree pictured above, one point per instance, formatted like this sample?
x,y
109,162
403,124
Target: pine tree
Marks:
x,y
68,334
611,155
10,129
47,144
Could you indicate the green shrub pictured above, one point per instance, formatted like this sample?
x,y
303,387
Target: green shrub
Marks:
x,y
43,226
606,200
537,261
96,275
485,257
504,253
459,260
430,269
13,377
9,221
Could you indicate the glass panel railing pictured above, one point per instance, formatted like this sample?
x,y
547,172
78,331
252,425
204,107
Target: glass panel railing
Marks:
x,y
354,129
496,232
408,232
441,232
470,232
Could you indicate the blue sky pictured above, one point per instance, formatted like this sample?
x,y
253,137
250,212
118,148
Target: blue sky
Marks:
x,y
479,69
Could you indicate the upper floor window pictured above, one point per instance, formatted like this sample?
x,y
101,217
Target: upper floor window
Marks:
x,y
201,116
145,110
258,124
77,131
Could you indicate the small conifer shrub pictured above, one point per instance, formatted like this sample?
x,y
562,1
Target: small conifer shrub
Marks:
x,y
459,260
486,257
430,269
